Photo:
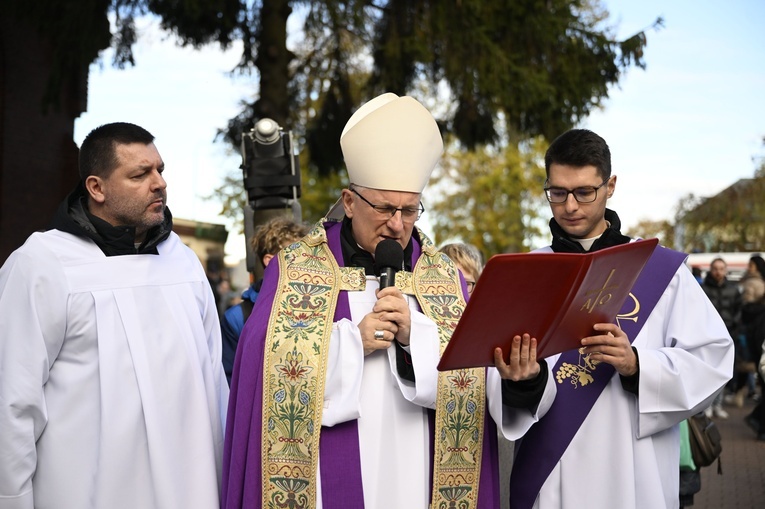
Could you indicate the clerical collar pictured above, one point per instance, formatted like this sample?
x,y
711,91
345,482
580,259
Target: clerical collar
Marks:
x,y
587,243
355,256
612,236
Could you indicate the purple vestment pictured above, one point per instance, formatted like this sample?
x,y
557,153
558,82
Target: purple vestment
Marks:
x,y
339,445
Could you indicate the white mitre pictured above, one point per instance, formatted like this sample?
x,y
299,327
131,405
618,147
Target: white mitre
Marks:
x,y
391,143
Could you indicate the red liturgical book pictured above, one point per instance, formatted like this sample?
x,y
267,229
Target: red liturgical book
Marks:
x,y
555,297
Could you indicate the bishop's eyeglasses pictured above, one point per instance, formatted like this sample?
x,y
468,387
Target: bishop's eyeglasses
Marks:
x,y
408,214
584,194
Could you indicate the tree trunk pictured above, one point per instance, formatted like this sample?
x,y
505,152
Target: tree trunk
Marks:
x,y
273,61
38,157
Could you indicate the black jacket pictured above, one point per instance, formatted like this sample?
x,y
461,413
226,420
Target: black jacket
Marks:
x,y
727,301
753,322
73,217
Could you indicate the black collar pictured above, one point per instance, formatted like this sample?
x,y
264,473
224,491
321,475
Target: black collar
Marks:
x,y
355,256
562,243
74,217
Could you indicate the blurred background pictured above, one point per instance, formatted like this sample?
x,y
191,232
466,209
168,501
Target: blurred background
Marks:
x,y
674,88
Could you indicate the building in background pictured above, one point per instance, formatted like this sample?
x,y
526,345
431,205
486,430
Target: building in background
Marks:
x,y
207,240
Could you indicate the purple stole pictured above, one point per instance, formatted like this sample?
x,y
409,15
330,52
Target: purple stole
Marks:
x,y
544,444
341,482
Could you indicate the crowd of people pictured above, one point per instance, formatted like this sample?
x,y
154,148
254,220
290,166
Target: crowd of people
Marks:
x,y
741,305
123,385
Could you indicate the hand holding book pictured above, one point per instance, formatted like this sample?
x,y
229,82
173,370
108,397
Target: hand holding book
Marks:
x,y
521,363
556,298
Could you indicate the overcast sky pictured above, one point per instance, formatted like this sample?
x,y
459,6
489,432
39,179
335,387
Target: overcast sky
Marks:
x,y
692,121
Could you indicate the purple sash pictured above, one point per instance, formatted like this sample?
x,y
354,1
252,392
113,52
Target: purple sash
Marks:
x,y
544,444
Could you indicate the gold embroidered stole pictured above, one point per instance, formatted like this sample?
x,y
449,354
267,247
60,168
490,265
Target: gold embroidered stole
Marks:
x,y
461,398
294,372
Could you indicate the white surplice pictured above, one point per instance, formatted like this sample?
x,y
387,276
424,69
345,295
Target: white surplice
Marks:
x,y
112,393
392,417
626,453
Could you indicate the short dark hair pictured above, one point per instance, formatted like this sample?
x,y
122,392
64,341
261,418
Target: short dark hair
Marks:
x,y
578,148
97,152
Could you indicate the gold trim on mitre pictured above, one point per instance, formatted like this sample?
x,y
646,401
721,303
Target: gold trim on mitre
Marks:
x,y
391,143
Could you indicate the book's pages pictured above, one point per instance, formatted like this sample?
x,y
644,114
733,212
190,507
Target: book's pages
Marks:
x,y
555,297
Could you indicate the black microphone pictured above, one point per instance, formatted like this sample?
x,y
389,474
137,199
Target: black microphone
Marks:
x,y
389,259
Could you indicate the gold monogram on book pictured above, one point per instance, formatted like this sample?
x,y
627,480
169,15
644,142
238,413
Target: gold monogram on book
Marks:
x,y
599,296
580,374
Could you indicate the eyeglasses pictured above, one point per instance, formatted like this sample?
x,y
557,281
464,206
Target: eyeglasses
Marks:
x,y
585,194
470,286
408,214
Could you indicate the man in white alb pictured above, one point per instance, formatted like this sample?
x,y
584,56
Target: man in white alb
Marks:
x,y
112,392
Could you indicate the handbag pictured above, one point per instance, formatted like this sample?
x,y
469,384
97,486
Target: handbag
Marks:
x,y
706,441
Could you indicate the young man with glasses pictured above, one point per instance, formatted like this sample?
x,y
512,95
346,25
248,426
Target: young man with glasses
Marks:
x,y
335,382
609,410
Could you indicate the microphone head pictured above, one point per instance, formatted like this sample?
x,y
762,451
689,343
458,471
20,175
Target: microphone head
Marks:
x,y
388,254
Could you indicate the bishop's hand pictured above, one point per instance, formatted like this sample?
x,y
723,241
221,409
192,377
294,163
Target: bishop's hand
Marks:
x,y
376,334
394,308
